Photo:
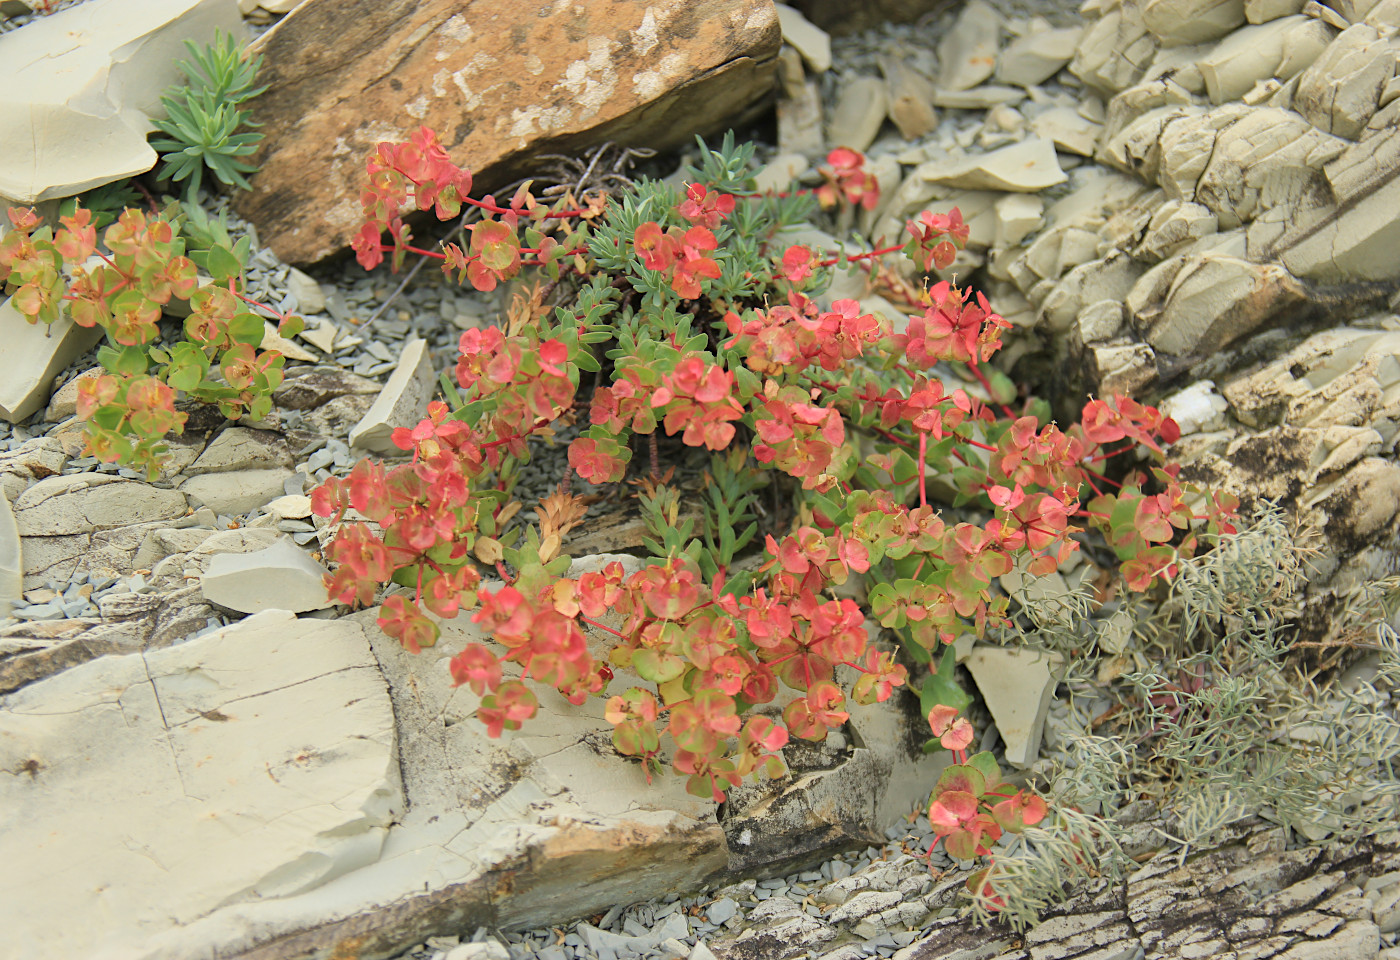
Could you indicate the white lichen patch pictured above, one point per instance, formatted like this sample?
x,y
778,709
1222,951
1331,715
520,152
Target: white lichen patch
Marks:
x,y
526,122
534,65
650,84
456,28
647,35
591,82
470,98
761,19
417,108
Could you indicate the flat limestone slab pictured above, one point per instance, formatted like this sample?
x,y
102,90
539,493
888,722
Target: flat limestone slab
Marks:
x,y
292,789
150,790
81,85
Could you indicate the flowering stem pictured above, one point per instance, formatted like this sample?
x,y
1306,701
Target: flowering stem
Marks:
x,y
977,372
594,623
923,468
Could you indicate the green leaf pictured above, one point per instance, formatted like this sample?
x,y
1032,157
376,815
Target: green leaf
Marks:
x,y
247,328
964,777
449,390
903,468
222,264
188,367
941,688
585,360
987,765
130,361
657,667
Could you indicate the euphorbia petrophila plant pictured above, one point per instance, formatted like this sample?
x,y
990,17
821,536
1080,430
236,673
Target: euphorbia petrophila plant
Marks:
x,y
698,319
122,287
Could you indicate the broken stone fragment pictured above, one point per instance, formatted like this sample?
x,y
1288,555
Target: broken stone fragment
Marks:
x,y
290,349
1340,91
967,54
1036,57
495,86
30,462
1174,224
1068,130
1262,11
1176,22
11,564
1213,300
1358,241
321,334
806,38
1017,215
233,493
85,502
280,577
984,97
239,448
800,121
1110,278
1120,366
1265,157
309,298
1099,321
1196,409
401,403
855,120
32,354
1115,51
1017,686
1025,167
81,86
910,98
1245,57
307,388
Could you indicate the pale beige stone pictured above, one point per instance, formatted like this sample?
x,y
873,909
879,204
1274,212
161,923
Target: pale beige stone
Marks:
x,y
82,85
1262,11
239,448
910,98
1245,57
402,402
1017,216
1018,686
244,767
1025,167
1192,21
32,355
1036,57
1267,157
1115,51
1070,131
860,109
1340,91
1176,223
236,492
86,502
985,97
806,37
1213,300
1303,45
967,54
11,562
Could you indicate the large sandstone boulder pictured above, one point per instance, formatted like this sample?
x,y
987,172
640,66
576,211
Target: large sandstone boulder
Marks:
x,y
498,82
